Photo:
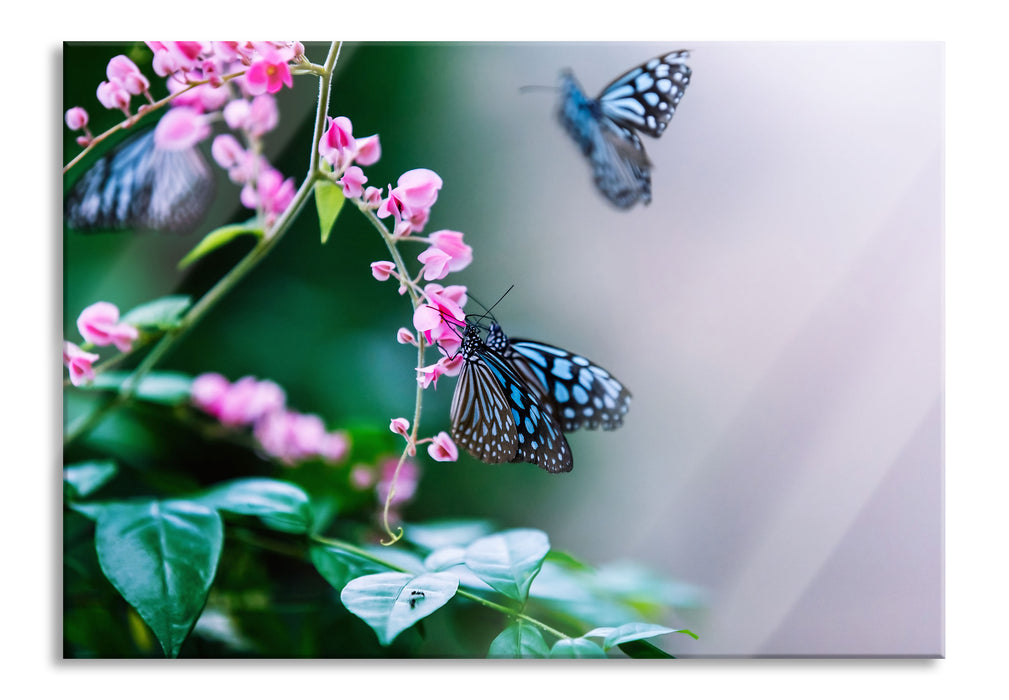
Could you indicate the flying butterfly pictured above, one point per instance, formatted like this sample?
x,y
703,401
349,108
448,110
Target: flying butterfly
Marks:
x,y
138,186
580,393
607,127
497,417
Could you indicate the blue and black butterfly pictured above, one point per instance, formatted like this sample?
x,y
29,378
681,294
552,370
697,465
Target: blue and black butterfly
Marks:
x,y
497,417
606,128
138,186
515,399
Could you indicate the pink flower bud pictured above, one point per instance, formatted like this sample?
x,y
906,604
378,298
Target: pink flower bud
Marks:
x,y
124,72
99,324
405,336
442,449
79,363
352,181
76,118
400,426
382,269
113,96
207,392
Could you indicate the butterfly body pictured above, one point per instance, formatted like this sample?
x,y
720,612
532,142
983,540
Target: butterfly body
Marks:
x,y
497,417
607,127
140,186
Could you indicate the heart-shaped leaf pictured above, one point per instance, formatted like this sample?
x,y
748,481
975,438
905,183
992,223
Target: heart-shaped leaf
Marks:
x,y
161,556
632,631
520,640
328,202
279,504
579,648
509,561
391,602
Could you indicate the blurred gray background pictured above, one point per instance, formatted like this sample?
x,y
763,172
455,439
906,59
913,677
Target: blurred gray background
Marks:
x,y
777,312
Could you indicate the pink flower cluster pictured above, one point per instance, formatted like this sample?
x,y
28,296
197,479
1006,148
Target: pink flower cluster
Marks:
x,y
99,325
196,72
282,433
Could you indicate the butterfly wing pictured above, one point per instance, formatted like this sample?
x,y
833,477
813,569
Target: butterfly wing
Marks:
x,y
645,98
581,393
620,167
482,423
139,186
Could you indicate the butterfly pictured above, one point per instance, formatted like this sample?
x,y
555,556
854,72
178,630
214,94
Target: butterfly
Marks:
x,y
497,417
580,393
140,186
606,128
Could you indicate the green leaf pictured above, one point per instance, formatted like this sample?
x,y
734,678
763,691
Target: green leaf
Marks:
x,y
339,567
391,602
161,556
612,636
579,648
436,534
83,479
509,561
520,640
217,238
168,388
328,202
163,313
640,649
279,504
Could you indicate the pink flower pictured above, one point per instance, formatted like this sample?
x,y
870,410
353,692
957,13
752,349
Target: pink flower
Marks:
x,y
271,192
263,116
337,145
352,181
410,202
405,336
79,363
450,243
442,449
270,73
454,292
381,270
292,437
236,113
373,197
448,365
124,72
248,400
208,391
440,320
76,118
227,151
368,150
113,96
181,128
361,477
436,263
334,446
99,324
406,482
400,426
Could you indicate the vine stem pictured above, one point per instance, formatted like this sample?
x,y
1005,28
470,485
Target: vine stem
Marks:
x,y
415,298
504,609
269,239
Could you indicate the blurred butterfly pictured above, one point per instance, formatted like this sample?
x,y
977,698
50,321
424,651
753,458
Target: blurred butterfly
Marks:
x,y
580,393
497,417
606,128
138,186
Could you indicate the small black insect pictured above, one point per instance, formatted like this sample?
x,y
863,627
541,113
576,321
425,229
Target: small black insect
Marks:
x,y
415,596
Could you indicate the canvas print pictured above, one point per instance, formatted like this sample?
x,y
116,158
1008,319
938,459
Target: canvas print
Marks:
x,y
556,350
